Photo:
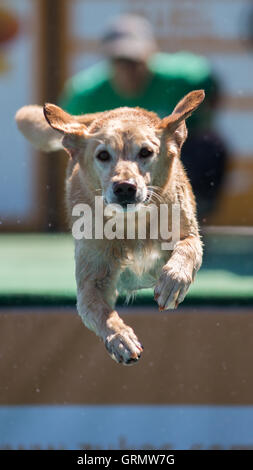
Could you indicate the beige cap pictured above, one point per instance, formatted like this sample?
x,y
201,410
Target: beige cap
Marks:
x,y
129,37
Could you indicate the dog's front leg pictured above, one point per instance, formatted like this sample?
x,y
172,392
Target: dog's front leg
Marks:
x,y
96,296
97,314
179,272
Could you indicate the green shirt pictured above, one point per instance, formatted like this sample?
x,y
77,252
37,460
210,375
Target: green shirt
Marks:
x,y
172,77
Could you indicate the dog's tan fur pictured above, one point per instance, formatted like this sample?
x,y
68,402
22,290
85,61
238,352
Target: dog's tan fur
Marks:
x,y
103,267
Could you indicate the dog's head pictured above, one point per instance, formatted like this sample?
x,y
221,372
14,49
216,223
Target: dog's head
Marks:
x,y
125,151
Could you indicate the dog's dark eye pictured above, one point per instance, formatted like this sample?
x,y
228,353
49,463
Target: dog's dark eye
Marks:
x,y
103,156
145,152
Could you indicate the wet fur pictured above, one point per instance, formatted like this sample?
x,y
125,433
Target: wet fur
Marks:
x,y
106,267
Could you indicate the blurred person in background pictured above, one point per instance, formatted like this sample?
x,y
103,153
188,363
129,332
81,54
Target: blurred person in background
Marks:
x,y
135,73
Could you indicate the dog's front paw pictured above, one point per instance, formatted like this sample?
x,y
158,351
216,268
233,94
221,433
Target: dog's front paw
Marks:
x,y
124,346
172,286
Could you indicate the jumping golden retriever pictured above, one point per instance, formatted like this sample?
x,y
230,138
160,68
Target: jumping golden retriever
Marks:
x,y
130,157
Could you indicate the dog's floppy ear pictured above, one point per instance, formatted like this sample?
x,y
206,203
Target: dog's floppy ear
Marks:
x,y
175,123
73,131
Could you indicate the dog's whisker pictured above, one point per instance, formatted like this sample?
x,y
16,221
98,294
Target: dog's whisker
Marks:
x,y
156,188
158,192
154,196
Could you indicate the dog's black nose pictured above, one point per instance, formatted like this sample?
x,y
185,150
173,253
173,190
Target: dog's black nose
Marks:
x,y
125,191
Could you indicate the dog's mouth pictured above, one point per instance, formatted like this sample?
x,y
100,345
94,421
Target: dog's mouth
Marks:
x,y
127,206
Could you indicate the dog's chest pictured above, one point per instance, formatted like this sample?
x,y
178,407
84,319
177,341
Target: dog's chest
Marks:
x,y
142,272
